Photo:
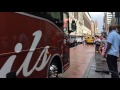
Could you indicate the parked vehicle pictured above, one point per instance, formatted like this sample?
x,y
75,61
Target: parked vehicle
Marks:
x,y
79,40
73,41
33,44
90,40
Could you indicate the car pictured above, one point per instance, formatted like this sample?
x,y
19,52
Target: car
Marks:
x,y
79,40
73,41
90,40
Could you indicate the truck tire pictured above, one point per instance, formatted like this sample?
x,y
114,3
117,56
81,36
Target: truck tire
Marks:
x,y
53,70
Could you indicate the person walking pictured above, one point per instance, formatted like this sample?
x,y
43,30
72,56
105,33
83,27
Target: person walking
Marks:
x,y
97,54
112,51
97,43
101,65
83,40
102,51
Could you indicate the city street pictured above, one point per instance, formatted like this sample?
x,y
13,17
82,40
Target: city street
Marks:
x,y
51,44
80,57
82,63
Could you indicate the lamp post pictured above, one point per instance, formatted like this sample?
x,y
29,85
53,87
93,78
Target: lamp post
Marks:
x,y
103,33
103,29
112,14
117,15
94,29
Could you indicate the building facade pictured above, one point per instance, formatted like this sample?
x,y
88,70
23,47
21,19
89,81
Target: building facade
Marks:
x,y
83,22
87,23
107,20
96,28
80,23
92,28
109,17
73,16
78,17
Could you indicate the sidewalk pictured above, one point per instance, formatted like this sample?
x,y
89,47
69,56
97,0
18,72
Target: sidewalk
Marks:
x,y
90,72
80,57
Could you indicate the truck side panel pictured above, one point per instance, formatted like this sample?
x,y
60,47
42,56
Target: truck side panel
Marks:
x,y
27,44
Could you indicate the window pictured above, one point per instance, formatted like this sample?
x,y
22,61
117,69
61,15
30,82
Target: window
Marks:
x,y
52,16
42,14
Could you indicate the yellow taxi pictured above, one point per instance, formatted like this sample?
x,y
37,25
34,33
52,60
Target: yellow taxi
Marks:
x,y
90,40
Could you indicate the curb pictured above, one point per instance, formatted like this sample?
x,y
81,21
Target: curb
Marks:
x,y
88,68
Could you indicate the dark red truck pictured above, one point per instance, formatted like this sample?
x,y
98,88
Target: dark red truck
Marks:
x,y
34,44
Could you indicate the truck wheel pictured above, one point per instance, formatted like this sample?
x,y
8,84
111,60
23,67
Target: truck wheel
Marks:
x,y
53,70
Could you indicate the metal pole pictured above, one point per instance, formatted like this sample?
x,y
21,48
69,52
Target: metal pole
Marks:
x,y
118,17
94,30
112,14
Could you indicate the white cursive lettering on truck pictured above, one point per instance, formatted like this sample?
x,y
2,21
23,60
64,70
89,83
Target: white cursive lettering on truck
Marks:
x,y
18,48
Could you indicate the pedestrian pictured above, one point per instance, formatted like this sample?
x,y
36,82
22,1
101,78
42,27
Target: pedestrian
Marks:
x,y
103,45
112,51
102,51
97,54
97,43
95,39
83,40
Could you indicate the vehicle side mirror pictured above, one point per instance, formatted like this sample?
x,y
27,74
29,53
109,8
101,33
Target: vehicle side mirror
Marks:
x,y
73,26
